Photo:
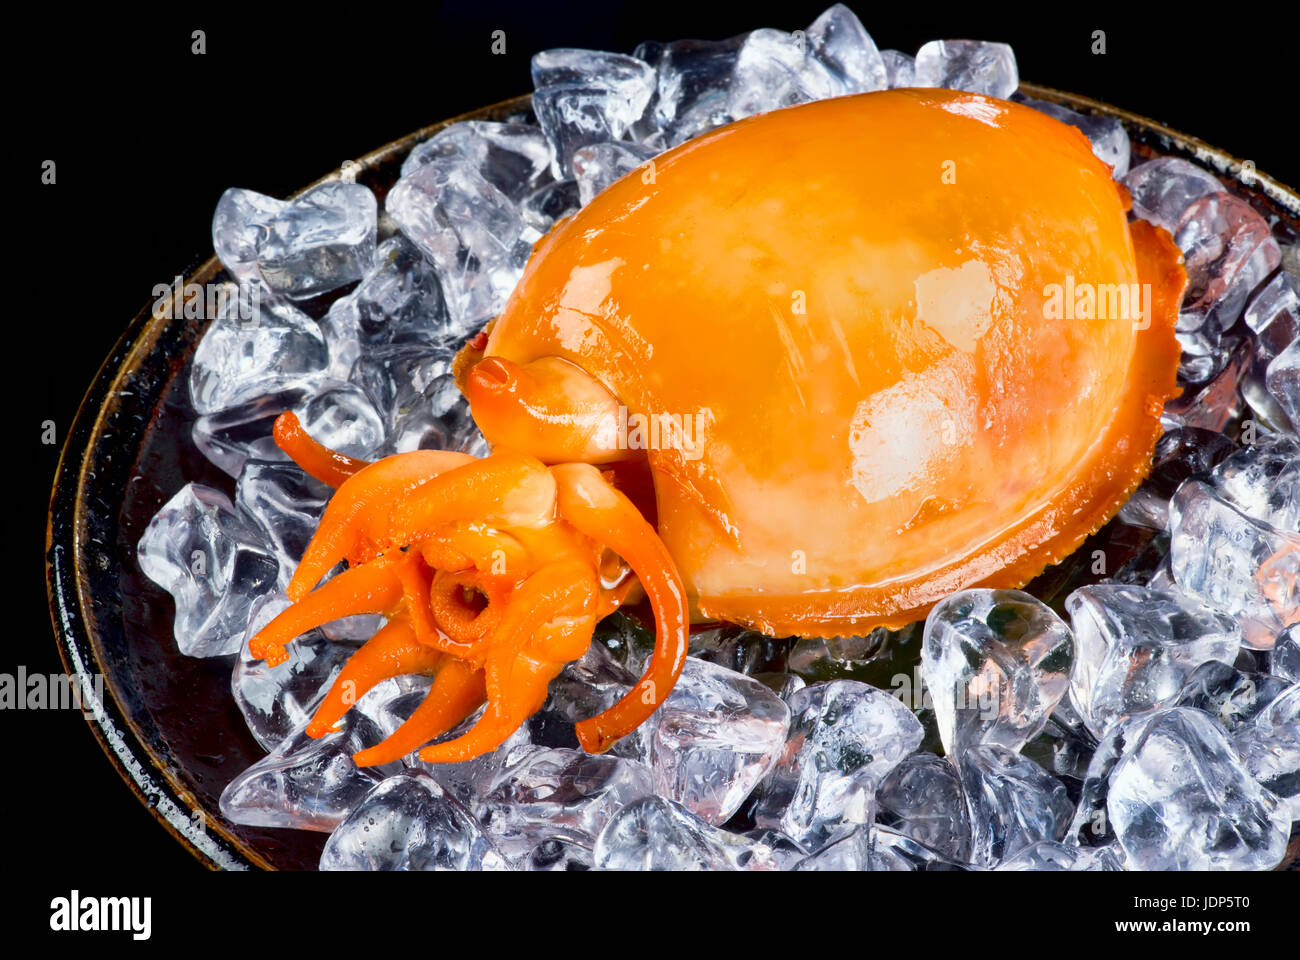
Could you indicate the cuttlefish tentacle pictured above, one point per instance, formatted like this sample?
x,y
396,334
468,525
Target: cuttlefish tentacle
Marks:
x,y
493,573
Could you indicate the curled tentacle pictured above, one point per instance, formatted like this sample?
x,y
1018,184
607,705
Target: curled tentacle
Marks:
x,y
354,513
328,466
599,511
458,690
374,587
392,652
560,597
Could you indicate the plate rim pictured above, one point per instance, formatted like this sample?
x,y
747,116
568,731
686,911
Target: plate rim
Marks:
x,y
148,776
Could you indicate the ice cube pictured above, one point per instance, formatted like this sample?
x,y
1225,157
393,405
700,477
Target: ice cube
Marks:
x,y
1283,381
1013,803
844,739
1228,250
1236,564
546,205
1233,697
922,799
232,437
1180,453
654,833
248,353
715,737
850,853
692,80
897,852
1050,855
600,164
1284,659
775,69
1137,646
1274,315
513,157
214,562
996,663
972,65
408,822
839,41
320,241
466,780
900,69
239,227
277,700
1180,799
305,783
468,229
545,794
1164,188
585,96
286,503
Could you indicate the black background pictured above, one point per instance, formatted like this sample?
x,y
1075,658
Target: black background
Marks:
x,y
146,136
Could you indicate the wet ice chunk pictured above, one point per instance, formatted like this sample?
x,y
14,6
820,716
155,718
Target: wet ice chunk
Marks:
x,y
408,822
1228,250
232,437
399,300
1050,855
584,96
1180,453
775,69
1137,646
1164,188
248,353
513,157
468,229
320,241
1013,803
466,780
692,79
239,227
900,69
545,794
277,700
1233,697
897,852
1180,799
844,739
838,39
850,853
286,503
307,784
214,562
1283,381
921,798
340,416
1236,564
600,164
546,205
996,663
715,737
1274,315
972,65
654,833
1284,659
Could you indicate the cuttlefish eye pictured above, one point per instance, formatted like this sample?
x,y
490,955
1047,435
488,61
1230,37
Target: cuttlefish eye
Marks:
x,y
883,348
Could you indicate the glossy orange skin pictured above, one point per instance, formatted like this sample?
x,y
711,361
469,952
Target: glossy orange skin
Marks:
x,y
857,290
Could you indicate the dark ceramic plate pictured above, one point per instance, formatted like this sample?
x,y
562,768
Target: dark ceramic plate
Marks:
x,y
168,722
